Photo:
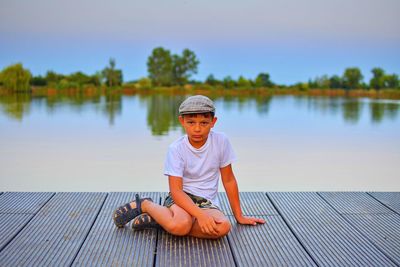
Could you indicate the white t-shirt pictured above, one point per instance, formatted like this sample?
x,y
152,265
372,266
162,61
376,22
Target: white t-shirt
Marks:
x,y
200,168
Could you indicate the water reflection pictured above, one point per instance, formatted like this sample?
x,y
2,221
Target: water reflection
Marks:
x,y
162,108
352,110
112,106
16,106
161,112
263,104
379,111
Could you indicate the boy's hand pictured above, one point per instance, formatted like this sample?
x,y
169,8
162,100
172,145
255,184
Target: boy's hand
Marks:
x,y
249,220
208,224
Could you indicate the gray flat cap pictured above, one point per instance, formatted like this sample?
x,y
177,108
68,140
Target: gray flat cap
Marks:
x,y
196,104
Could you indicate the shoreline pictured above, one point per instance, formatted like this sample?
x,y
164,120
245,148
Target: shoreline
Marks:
x,y
91,91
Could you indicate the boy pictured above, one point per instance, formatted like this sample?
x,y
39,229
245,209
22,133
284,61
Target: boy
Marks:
x,y
193,165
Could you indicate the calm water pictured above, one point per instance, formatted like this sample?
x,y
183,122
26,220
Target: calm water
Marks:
x,y
118,143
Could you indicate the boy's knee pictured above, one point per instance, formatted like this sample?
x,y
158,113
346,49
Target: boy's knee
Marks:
x,y
181,227
224,228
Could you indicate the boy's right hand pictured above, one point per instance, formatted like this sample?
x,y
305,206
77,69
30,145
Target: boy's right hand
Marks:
x,y
208,224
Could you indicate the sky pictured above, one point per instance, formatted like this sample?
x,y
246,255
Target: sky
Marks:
x,y
292,40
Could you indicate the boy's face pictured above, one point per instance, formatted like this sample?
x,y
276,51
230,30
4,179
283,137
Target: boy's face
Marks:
x,y
197,127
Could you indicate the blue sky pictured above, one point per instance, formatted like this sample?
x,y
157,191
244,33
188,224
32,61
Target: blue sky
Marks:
x,y
292,40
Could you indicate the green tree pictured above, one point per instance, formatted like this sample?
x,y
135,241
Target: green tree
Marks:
x,y
80,78
184,66
16,78
168,69
143,83
111,75
243,82
378,79
263,80
310,84
352,78
210,80
335,82
391,81
53,78
38,81
228,82
322,82
96,79
302,86
160,66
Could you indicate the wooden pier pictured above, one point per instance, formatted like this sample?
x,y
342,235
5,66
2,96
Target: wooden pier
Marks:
x,y
301,229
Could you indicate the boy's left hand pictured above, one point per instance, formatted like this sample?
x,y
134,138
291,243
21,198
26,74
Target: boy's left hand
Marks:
x,y
249,220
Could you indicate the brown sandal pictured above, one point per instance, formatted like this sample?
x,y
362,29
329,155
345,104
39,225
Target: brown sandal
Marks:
x,y
125,213
144,221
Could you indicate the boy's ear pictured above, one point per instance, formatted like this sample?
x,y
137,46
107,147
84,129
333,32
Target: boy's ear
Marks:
x,y
180,119
214,120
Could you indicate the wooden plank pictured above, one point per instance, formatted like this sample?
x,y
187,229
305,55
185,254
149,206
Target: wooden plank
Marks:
x,y
10,225
354,202
252,203
163,196
390,199
54,236
382,229
300,209
23,202
328,238
107,245
190,251
269,244
374,220
16,209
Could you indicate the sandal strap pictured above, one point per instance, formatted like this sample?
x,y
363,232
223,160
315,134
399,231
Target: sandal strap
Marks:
x,y
124,209
128,206
144,221
138,204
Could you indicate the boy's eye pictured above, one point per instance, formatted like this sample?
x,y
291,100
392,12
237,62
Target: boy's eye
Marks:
x,y
204,123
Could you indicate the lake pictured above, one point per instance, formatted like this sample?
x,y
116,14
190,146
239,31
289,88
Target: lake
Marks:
x,y
119,142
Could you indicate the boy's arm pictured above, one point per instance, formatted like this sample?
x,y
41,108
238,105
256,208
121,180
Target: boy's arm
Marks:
x,y
232,191
206,222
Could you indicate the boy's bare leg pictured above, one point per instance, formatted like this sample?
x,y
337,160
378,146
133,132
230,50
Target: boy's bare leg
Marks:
x,y
223,227
177,221
174,219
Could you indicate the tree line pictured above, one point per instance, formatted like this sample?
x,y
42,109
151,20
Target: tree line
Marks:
x,y
353,79
166,69
17,78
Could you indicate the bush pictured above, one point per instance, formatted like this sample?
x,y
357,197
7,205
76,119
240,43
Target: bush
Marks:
x,y
143,83
38,81
16,78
